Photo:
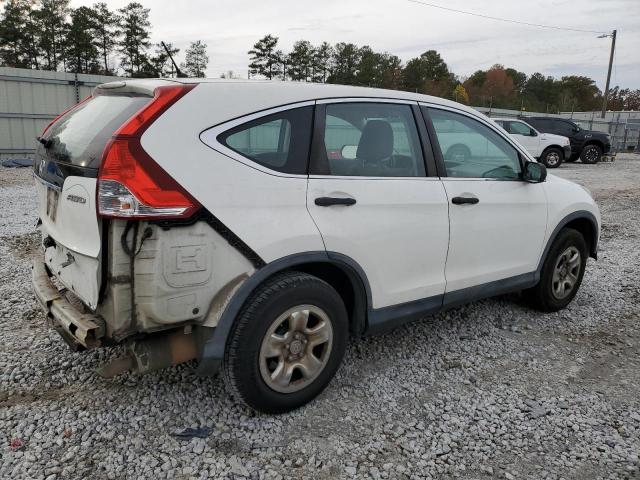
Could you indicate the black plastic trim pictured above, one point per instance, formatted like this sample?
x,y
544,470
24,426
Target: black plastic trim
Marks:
x,y
579,214
381,320
435,145
499,287
213,349
318,163
375,321
425,141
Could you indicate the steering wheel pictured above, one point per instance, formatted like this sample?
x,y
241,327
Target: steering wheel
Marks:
x,y
489,173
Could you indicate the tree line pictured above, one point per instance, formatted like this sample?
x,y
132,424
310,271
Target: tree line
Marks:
x,y
497,87
50,35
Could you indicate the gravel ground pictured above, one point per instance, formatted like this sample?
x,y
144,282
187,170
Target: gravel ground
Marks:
x,y
490,390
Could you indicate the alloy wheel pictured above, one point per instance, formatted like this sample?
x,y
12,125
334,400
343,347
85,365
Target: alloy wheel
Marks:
x,y
296,348
553,158
566,273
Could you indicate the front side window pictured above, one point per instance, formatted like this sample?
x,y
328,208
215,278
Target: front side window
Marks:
x,y
519,128
371,139
279,141
472,149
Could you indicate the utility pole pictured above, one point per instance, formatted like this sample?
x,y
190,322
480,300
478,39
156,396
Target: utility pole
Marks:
x,y
606,88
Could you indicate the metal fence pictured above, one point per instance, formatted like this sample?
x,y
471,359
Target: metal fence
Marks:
x,y
623,127
30,99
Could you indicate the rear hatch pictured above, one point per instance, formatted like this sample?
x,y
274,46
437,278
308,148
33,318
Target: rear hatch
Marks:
x,y
66,167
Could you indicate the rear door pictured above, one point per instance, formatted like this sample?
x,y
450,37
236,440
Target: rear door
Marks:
x,y
371,198
497,221
66,168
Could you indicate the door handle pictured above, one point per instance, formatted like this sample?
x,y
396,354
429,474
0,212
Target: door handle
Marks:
x,y
328,201
465,200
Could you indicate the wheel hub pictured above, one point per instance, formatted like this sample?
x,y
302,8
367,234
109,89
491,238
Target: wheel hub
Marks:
x,y
296,347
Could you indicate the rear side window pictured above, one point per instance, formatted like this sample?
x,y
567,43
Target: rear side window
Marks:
x,y
373,140
279,141
80,136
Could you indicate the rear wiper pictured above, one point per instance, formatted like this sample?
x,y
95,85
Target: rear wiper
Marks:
x,y
44,141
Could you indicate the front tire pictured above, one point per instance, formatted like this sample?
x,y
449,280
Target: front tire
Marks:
x,y
552,157
286,344
562,272
591,154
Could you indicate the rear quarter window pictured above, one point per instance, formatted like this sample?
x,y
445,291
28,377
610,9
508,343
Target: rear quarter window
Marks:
x,y
279,141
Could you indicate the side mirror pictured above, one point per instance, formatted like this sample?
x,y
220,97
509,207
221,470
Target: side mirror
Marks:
x,y
534,172
533,133
348,152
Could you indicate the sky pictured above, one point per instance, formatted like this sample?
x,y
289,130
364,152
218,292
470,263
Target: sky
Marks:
x,y
406,29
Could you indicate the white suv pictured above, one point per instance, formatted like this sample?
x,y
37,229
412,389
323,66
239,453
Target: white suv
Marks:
x,y
258,225
550,149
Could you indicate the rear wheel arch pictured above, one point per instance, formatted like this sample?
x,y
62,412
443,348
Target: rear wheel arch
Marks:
x,y
339,271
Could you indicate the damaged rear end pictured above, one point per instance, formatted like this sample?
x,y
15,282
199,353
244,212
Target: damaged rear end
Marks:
x,y
128,255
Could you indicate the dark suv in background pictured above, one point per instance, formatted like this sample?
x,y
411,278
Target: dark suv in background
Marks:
x,y
587,145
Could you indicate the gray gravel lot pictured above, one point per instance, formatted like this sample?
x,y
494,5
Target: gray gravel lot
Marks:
x,y
490,390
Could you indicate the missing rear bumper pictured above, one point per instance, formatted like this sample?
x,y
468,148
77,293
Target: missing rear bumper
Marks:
x,y
78,329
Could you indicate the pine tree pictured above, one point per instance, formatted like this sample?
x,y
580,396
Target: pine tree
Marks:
x,y
265,60
105,33
51,20
81,53
346,58
322,56
196,60
300,61
134,28
17,41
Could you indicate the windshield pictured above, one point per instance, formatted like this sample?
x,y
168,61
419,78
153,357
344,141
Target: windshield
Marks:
x,y
80,136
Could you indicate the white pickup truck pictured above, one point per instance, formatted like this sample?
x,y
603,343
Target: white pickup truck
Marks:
x,y
550,149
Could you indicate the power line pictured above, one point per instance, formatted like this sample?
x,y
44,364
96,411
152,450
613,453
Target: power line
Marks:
x,y
506,20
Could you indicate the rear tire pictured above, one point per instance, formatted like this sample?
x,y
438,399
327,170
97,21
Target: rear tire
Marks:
x,y
552,157
286,344
562,272
591,154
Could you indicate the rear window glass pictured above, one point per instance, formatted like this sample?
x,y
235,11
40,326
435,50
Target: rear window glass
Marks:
x,y
79,137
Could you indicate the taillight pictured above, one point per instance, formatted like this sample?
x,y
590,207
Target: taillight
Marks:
x,y
72,107
130,183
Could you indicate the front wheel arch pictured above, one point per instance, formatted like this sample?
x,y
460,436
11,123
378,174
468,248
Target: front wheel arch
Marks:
x,y
584,222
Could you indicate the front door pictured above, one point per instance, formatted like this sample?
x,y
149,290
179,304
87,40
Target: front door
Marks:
x,y
497,221
526,136
371,199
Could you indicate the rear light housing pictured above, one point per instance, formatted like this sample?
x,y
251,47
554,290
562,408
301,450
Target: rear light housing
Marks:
x,y
130,183
73,107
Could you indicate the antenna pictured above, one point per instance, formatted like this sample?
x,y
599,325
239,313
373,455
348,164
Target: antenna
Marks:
x,y
179,73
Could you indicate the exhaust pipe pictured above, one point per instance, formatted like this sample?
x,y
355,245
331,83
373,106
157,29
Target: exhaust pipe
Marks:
x,y
153,353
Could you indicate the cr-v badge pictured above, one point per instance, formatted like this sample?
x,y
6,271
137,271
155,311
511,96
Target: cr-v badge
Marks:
x,y
76,199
